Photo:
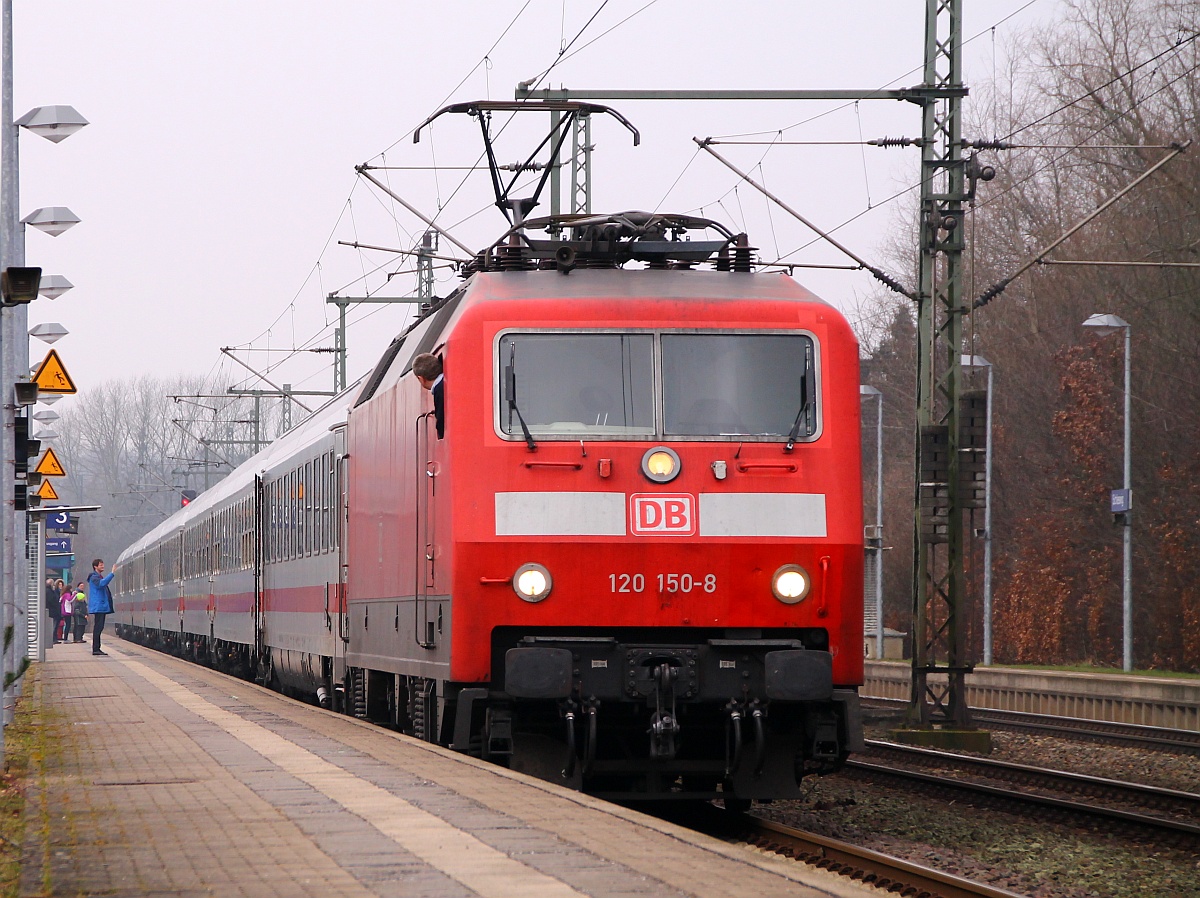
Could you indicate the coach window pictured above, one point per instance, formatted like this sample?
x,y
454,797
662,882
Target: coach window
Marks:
x,y
310,530
295,497
331,505
574,384
272,504
739,386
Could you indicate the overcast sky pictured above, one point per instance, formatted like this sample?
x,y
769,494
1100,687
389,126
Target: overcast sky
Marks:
x,y
217,173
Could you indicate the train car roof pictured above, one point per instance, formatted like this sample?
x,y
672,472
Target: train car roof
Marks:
x,y
273,454
612,283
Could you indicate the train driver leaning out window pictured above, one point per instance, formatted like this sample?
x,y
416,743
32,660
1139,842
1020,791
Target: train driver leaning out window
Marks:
x,y
428,369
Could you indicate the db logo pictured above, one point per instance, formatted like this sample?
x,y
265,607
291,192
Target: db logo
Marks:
x,y
670,515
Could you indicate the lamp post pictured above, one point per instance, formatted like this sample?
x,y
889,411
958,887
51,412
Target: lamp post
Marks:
x,y
53,123
978,361
1103,325
876,542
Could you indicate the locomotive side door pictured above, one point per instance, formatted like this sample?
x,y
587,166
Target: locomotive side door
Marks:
x,y
425,494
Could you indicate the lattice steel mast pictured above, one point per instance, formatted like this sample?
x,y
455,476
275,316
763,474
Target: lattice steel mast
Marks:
x,y
939,587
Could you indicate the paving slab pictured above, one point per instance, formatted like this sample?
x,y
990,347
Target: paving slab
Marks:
x,y
174,780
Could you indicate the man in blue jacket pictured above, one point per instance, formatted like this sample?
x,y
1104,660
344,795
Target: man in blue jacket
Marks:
x,y
100,601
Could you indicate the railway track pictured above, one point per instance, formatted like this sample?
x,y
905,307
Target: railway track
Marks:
x,y
1171,802
1030,790
1102,731
891,873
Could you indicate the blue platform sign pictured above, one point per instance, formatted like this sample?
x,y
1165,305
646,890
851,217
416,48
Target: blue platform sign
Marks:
x,y
60,544
1120,501
59,520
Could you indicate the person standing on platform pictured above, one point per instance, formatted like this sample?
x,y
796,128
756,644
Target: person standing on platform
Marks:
x,y
79,611
100,603
66,605
428,369
53,607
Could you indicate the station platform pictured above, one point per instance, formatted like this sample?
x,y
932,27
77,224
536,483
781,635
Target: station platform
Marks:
x,y
168,779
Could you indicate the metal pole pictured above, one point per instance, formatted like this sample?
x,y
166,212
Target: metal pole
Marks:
x,y
35,593
11,253
257,422
555,170
987,529
879,528
1127,566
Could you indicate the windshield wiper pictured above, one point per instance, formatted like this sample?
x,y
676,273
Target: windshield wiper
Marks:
x,y
510,394
810,388
794,432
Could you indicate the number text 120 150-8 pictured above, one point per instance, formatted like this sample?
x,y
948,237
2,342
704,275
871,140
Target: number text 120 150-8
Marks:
x,y
665,582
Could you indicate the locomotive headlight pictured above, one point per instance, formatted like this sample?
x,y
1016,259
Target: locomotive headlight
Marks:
x,y
660,464
532,582
790,584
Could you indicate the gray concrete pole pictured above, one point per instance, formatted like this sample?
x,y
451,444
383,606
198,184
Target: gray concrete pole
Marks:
x,y
11,253
879,528
1127,540
987,529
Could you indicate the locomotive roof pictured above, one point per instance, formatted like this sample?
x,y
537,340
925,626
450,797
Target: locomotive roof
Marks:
x,y
616,283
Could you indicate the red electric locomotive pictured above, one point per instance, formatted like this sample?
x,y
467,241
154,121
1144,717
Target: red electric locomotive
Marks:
x,y
633,559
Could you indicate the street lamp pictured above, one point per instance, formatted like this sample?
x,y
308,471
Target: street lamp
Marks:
x,y
1122,501
876,542
52,220
978,361
54,285
55,123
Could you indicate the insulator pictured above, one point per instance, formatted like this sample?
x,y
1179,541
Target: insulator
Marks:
x,y
522,166
512,258
887,142
986,145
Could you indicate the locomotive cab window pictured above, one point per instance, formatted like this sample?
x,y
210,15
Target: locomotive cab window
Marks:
x,y
738,385
573,384
672,384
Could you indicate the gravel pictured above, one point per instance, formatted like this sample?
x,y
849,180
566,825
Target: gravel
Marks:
x,y
1044,860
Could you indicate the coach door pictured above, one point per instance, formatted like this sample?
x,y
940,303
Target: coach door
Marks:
x,y
187,551
426,556
260,524
340,490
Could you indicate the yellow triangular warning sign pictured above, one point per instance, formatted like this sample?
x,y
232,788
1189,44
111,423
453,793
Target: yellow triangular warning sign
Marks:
x,y
52,377
46,490
49,465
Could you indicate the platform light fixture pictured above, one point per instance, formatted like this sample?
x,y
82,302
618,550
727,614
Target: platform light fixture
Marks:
x,y
55,123
50,332
54,285
52,220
